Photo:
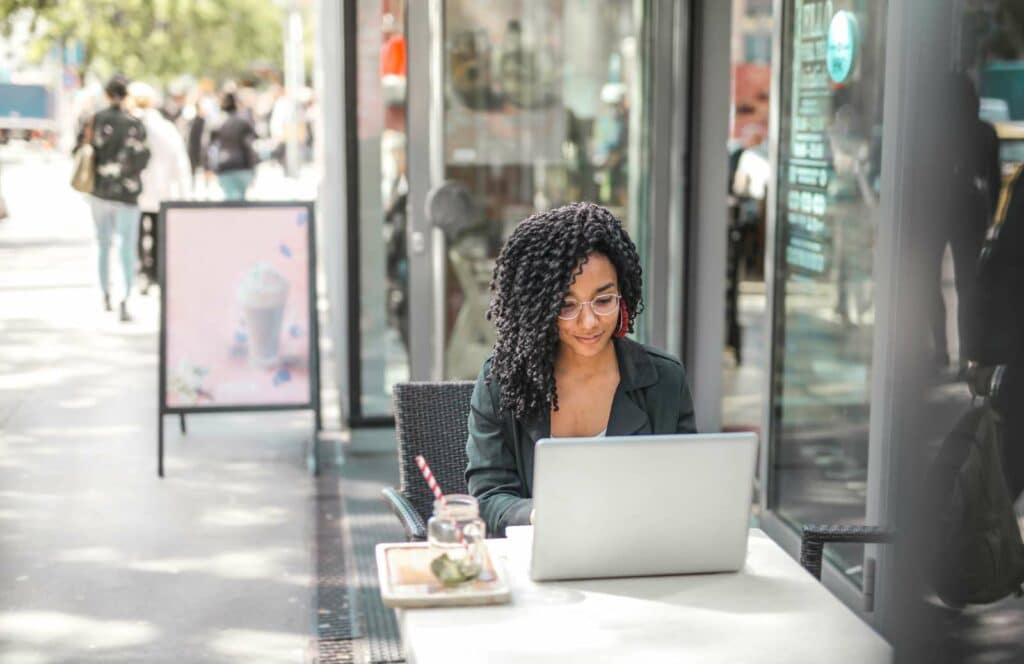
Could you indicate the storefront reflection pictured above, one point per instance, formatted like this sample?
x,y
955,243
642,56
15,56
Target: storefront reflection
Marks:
x,y
829,170
543,105
382,194
749,177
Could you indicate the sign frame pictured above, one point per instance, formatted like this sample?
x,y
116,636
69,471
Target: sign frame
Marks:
x,y
313,403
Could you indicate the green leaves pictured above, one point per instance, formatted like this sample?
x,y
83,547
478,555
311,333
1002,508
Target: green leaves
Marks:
x,y
160,39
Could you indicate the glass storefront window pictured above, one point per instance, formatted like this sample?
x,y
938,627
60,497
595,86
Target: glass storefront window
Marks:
x,y
828,184
543,106
745,360
383,322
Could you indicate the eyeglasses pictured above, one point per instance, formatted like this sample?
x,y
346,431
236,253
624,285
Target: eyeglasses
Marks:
x,y
602,305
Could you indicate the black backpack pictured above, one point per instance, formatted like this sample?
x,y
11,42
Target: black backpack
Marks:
x,y
977,544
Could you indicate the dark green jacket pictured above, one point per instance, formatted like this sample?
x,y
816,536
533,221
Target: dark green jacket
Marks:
x,y
652,398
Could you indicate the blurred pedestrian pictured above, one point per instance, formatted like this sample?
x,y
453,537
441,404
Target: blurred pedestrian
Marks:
x,y
280,119
999,349
195,137
121,154
968,182
166,177
3,206
231,154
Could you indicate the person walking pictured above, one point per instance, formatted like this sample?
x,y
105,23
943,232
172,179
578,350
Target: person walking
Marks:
x,y
3,206
166,177
196,129
121,154
231,154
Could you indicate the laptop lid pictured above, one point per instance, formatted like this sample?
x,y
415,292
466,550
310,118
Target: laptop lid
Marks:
x,y
641,505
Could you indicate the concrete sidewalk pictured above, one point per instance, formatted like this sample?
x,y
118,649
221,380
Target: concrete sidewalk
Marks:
x,y
100,561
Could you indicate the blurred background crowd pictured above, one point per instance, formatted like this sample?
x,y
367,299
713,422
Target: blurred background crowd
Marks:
x,y
55,58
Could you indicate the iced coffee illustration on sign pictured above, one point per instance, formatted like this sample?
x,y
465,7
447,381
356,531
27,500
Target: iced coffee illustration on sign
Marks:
x,y
262,295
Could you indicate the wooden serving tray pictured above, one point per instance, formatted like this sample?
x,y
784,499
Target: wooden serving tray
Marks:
x,y
406,581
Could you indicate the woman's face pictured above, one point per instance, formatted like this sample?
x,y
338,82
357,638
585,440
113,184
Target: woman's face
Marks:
x,y
589,333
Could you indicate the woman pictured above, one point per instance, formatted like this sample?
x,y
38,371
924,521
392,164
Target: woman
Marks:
x,y
566,290
167,176
231,154
121,152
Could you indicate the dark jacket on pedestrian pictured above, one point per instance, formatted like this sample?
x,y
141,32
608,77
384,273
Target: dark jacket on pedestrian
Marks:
x,y
652,398
231,145
119,141
196,129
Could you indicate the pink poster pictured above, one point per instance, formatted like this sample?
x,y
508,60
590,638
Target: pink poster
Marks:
x,y
237,312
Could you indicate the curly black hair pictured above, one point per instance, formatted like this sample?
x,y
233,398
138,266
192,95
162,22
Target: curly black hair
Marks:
x,y
534,271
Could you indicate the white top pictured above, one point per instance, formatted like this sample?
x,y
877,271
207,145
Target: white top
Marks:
x,y
602,434
167,176
771,611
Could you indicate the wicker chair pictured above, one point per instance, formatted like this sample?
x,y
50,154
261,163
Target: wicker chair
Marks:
x,y
812,543
430,419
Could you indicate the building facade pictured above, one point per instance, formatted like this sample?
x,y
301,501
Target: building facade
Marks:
x,y
799,177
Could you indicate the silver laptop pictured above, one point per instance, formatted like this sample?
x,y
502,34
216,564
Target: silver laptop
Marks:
x,y
641,505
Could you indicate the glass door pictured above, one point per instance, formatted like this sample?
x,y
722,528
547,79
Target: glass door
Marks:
x,y
829,178
377,210
516,106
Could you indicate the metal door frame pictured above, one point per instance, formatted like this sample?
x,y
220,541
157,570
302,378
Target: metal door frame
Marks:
x,y
425,159
775,526
904,60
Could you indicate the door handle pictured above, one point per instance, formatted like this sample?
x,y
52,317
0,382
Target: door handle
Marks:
x,y
417,242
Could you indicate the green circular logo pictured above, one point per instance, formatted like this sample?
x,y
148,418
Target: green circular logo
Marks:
x,y
841,46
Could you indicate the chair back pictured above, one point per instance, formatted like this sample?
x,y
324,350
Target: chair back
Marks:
x,y
432,419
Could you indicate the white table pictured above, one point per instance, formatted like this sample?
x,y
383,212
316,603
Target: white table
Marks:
x,y
772,611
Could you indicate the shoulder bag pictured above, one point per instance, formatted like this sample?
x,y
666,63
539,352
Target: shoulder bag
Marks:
x,y
83,173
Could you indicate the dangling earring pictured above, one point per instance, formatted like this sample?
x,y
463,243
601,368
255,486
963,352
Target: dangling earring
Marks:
x,y
623,320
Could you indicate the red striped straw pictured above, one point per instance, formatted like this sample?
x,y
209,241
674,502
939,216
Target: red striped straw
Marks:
x,y
436,488
429,477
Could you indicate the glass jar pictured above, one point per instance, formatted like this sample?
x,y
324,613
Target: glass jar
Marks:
x,y
455,535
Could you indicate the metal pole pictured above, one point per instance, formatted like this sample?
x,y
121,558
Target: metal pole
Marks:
x,y
294,77
160,445
426,170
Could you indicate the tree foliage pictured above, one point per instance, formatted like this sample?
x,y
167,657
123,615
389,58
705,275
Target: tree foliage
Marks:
x,y
160,39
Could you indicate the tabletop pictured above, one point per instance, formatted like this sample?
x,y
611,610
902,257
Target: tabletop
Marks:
x,y
771,611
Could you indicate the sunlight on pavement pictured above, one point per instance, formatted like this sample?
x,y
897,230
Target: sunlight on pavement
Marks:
x,y
22,657
10,462
74,404
94,554
244,517
64,630
266,564
258,647
80,431
31,497
37,378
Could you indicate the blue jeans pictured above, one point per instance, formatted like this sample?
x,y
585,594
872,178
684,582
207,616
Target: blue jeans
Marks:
x,y
122,218
234,183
